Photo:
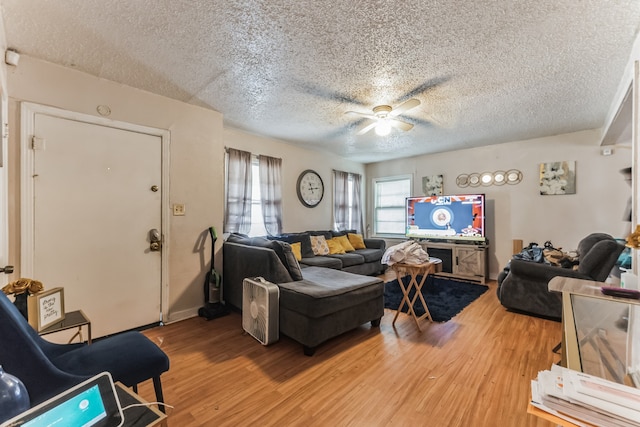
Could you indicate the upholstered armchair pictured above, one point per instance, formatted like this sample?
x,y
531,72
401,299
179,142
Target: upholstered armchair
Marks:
x,y
47,369
522,286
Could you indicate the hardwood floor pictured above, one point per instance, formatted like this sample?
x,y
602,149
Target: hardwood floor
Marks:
x,y
474,370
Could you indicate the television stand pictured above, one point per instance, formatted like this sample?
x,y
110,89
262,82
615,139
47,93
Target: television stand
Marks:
x,y
460,260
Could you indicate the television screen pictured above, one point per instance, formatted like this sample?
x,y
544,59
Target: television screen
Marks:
x,y
456,217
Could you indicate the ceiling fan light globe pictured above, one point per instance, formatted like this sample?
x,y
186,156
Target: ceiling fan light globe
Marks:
x,y
383,128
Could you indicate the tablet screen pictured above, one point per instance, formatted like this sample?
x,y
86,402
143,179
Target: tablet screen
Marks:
x,y
91,403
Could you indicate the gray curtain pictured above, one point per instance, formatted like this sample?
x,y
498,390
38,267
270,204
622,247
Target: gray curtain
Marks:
x,y
340,200
238,205
356,207
271,193
347,206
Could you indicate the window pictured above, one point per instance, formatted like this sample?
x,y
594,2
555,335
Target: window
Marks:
x,y
257,220
389,196
253,202
347,211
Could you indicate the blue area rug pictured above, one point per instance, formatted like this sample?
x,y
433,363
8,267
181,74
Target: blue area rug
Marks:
x,y
445,297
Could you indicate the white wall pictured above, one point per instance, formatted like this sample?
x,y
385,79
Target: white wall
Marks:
x,y
196,158
519,211
297,217
196,166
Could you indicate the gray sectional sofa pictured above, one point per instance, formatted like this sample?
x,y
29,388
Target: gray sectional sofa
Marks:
x,y
316,302
361,261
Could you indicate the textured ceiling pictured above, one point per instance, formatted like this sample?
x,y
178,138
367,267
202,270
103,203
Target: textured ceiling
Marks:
x,y
485,71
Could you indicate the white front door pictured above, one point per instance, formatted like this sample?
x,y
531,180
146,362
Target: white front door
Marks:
x,y
96,194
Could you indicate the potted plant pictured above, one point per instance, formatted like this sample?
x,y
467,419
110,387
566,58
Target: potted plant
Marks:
x,y
21,289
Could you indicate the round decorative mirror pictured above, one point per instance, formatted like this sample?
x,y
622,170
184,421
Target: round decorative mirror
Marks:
x,y
514,176
462,180
486,178
499,177
474,179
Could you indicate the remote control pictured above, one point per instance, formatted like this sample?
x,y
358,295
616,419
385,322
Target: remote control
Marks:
x,y
620,292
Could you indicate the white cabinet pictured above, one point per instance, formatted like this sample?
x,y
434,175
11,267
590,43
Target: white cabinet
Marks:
x,y
462,261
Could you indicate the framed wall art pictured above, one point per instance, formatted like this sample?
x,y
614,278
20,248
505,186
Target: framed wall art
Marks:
x,y
558,178
432,185
45,308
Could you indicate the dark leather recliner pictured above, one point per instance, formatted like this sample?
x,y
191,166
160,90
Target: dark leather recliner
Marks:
x,y
523,285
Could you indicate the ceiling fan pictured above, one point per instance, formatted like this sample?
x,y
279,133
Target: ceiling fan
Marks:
x,y
384,118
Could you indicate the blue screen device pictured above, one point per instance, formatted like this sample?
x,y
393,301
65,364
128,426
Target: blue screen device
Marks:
x,y
93,402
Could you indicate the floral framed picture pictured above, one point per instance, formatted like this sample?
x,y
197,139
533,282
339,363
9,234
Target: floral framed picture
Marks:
x,y
558,178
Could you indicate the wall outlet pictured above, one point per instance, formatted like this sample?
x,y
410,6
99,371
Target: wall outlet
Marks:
x,y
178,209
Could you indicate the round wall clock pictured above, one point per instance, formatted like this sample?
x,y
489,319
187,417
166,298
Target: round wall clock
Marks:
x,y
310,188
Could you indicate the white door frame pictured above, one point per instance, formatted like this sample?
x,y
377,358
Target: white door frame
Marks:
x,y
27,128
4,186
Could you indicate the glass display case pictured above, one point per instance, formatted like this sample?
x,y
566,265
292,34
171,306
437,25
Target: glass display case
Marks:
x,y
600,332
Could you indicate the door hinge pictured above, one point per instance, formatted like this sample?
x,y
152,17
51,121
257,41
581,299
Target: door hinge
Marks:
x,y
37,143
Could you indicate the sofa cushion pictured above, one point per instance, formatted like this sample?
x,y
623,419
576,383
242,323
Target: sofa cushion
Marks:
x,y
335,247
303,238
319,245
282,250
296,248
356,241
322,291
370,255
328,234
290,261
348,259
344,241
323,261
336,233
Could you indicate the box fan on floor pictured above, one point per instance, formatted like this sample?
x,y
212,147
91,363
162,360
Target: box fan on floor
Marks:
x,y
260,310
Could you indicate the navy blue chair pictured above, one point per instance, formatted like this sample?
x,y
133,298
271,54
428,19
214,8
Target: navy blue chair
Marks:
x,y
47,369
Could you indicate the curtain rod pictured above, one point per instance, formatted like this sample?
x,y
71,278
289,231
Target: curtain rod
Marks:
x,y
352,173
226,150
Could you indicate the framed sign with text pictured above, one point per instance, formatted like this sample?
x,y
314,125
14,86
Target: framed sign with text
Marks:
x,y
45,308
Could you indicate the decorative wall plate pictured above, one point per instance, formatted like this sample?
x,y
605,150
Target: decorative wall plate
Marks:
x,y
499,178
514,176
462,180
474,179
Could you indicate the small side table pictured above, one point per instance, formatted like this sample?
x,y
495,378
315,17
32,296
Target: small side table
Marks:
x,y
73,319
138,416
413,270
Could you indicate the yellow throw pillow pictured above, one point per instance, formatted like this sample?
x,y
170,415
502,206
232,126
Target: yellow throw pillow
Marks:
x,y
319,245
344,241
334,246
356,241
296,248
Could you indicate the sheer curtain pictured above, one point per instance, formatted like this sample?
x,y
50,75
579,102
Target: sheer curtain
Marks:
x,y
347,206
340,199
271,193
238,205
356,206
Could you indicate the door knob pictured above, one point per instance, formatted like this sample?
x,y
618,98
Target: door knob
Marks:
x,y
156,240
7,269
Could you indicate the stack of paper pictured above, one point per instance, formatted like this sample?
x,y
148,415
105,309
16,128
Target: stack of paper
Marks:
x,y
585,400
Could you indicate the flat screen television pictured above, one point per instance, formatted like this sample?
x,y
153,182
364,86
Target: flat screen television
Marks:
x,y
455,217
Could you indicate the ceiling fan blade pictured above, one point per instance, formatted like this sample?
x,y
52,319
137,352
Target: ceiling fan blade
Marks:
x,y
356,113
399,124
367,128
407,105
